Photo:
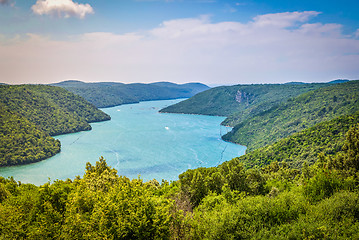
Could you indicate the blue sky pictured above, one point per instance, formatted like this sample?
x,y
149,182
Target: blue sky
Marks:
x,y
215,42
122,16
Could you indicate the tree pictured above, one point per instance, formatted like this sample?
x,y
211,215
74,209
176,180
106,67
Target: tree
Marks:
x,y
348,160
101,176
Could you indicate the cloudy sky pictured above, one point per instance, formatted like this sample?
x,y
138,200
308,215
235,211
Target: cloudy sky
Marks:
x,y
209,41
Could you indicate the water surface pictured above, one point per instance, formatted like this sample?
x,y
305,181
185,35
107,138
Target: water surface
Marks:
x,y
137,141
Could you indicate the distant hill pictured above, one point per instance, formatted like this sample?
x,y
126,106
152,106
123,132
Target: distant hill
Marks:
x,y
295,83
31,113
339,81
108,94
240,102
330,82
296,114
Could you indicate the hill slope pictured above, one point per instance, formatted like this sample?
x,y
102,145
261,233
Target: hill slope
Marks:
x,y
239,102
107,94
52,109
21,141
305,146
296,114
31,113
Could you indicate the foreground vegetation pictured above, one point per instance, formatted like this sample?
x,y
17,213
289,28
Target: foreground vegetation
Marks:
x,y
30,114
228,202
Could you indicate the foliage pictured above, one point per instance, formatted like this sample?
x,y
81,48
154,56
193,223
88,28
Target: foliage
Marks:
x,y
230,176
125,209
348,160
107,94
297,114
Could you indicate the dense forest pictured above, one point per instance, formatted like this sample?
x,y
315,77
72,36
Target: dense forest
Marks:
x,y
21,141
304,147
296,114
109,94
30,114
53,109
226,202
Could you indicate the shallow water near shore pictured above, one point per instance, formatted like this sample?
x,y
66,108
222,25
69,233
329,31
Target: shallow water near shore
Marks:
x,y
138,141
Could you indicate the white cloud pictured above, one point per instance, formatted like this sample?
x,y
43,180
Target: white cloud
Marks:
x,y
334,30
285,19
62,8
357,33
186,50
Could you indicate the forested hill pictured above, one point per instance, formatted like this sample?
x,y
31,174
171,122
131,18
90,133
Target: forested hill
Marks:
x,y
325,138
296,114
108,94
21,141
239,102
31,113
52,109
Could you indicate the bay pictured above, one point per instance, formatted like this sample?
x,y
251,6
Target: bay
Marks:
x,y
138,142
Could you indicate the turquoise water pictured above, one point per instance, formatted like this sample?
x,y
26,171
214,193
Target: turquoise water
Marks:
x,y
137,141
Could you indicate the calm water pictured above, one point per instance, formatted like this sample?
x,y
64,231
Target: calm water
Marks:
x,y
137,141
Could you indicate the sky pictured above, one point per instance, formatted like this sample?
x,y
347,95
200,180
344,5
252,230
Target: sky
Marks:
x,y
216,42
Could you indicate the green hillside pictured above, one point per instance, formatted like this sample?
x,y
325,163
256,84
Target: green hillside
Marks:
x,y
296,114
31,113
108,94
239,102
324,138
52,109
21,141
